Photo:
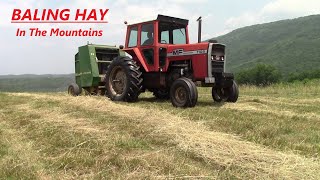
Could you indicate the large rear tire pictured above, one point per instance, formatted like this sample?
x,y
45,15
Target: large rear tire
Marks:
x,y
74,89
183,93
123,80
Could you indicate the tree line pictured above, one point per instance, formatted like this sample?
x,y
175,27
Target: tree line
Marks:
x,y
265,74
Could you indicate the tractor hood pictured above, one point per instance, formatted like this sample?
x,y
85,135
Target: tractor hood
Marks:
x,y
187,49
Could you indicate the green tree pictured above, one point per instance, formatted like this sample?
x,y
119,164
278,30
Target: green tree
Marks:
x,y
260,75
313,74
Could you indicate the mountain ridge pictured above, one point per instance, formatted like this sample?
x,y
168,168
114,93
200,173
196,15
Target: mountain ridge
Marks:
x,y
281,43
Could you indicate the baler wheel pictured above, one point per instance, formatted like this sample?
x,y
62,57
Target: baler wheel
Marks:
x,y
183,93
123,80
74,89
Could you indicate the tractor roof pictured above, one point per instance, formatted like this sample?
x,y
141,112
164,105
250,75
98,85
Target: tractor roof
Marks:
x,y
168,19
163,18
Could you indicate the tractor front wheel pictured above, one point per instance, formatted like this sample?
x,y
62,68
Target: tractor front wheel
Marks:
x,y
229,94
74,89
234,93
123,80
183,93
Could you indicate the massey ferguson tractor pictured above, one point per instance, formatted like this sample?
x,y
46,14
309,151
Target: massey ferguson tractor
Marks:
x,y
157,57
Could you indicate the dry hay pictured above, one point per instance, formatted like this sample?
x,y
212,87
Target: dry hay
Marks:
x,y
241,158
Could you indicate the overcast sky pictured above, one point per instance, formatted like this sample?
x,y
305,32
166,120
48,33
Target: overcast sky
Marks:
x,y
55,55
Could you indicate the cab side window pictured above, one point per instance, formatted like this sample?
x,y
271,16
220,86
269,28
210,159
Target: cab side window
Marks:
x,y
133,37
147,34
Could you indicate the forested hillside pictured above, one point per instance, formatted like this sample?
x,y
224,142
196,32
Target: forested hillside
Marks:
x,y
290,45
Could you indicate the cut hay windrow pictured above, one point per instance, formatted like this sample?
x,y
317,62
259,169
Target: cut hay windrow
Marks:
x,y
270,110
228,152
59,118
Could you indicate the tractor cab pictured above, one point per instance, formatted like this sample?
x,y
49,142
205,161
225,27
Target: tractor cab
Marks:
x,y
151,39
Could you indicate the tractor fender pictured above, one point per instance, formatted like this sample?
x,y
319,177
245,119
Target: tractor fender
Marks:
x,y
137,56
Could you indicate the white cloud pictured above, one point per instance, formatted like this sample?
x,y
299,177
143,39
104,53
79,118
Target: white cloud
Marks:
x,y
275,10
188,1
243,20
292,7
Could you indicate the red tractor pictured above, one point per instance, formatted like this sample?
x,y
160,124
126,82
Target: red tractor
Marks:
x,y
165,63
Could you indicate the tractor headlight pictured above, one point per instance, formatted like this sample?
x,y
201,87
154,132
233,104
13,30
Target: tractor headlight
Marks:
x,y
217,58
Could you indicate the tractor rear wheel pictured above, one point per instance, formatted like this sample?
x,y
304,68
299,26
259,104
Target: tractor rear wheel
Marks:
x,y
229,94
161,94
74,89
123,80
183,93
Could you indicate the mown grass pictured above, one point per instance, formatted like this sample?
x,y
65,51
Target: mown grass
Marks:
x,y
283,116
69,141
45,136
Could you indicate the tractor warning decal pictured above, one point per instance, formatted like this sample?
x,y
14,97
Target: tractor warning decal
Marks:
x,y
180,52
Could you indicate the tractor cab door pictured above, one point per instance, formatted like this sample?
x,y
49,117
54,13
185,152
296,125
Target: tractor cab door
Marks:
x,y
147,45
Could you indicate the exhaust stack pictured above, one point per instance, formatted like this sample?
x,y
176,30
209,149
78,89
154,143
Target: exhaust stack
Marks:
x,y
199,29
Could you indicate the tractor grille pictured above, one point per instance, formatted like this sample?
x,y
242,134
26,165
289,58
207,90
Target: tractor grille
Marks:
x,y
217,66
217,58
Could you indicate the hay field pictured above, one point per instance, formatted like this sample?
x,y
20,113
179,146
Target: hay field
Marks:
x,y
270,133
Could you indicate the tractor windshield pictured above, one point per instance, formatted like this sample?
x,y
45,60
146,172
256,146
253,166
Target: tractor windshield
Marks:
x,y
172,33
